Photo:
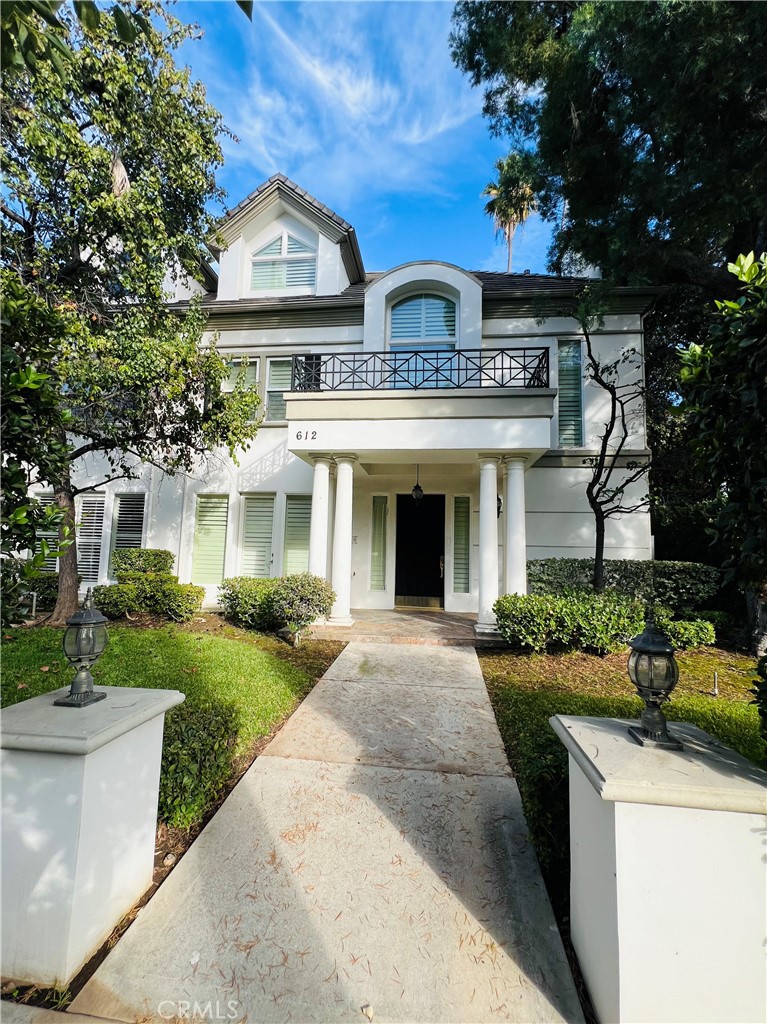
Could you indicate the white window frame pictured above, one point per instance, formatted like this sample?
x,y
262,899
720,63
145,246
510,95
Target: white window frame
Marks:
x,y
283,259
558,436
268,391
237,361
447,342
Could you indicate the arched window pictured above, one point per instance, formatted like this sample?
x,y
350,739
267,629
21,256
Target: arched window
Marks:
x,y
284,263
423,322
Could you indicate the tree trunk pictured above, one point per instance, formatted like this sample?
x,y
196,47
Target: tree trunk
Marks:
x,y
66,602
756,602
598,580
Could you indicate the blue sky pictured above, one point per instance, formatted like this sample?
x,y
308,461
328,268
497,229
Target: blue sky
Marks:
x,y
361,105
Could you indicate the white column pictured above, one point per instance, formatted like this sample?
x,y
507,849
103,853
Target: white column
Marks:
x,y
488,542
515,539
318,529
342,541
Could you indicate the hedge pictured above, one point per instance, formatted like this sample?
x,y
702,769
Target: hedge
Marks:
x,y
142,560
680,585
46,586
593,622
285,602
145,583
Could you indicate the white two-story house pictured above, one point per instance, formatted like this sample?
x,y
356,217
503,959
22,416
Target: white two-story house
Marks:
x,y
424,430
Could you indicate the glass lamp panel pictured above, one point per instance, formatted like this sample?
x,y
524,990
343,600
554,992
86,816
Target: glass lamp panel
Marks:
x,y
100,637
70,643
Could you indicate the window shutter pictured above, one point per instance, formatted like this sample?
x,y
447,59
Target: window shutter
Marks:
x,y
300,273
258,520
298,516
268,274
89,533
296,248
461,545
128,521
52,536
438,317
423,316
378,546
210,522
274,248
570,394
280,371
250,377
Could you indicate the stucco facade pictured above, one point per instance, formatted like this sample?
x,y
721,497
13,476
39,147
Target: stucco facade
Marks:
x,y
424,372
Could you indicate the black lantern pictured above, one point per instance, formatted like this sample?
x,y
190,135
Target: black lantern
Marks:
x,y
84,643
654,672
417,491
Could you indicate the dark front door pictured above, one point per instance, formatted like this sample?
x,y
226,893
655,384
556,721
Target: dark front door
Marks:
x,y
419,576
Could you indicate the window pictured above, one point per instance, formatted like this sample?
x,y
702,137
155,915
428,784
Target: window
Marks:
x,y
461,544
378,545
423,318
298,517
283,263
210,521
51,536
278,381
570,399
258,518
250,377
89,532
128,521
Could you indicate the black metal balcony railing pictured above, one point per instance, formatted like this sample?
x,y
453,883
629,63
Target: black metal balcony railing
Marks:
x,y
476,368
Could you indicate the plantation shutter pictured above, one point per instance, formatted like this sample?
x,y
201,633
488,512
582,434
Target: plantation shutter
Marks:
x,y
570,398
423,316
89,534
257,535
250,377
279,381
378,546
128,521
50,564
274,248
298,517
461,545
210,521
299,270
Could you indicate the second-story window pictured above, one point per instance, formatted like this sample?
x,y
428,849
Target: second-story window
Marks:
x,y
422,319
284,263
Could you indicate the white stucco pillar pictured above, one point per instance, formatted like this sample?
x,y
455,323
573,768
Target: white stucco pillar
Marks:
x,y
318,529
488,542
515,540
342,541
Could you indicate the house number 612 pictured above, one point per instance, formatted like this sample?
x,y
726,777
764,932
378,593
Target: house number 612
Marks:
x,y
306,435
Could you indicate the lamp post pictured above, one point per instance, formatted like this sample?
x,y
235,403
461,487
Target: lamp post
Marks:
x,y
84,642
654,672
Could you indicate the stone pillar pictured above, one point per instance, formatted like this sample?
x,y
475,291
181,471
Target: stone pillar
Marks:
x,y
488,542
342,541
80,792
318,530
515,539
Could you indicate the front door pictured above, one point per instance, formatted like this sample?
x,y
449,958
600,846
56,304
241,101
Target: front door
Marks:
x,y
420,566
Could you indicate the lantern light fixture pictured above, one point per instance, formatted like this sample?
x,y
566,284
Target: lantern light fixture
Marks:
x,y
417,491
654,672
84,642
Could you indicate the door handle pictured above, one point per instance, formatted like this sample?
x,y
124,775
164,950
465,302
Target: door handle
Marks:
x,y
441,566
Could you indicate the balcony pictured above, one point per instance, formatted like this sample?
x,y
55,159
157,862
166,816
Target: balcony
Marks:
x,y
437,406
526,368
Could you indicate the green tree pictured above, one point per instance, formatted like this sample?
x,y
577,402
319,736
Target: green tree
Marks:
x,y
724,383
108,175
512,199
647,124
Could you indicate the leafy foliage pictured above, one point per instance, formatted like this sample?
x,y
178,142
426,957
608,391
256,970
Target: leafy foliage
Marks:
x,y
247,601
46,586
760,698
287,602
117,600
141,560
646,122
601,623
684,634
678,585
511,199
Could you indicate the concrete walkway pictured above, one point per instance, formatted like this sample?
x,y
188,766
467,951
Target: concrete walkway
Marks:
x,y
411,626
372,864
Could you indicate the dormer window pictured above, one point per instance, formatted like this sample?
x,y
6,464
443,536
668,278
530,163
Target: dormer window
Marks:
x,y
284,263
422,323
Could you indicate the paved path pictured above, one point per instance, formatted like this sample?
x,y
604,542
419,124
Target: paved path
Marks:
x,y
375,856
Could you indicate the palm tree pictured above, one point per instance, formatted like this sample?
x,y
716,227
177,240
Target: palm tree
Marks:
x,y
512,198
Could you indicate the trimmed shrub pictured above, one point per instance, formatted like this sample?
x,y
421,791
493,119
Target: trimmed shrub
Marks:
x,y
179,601
125,560
117,600
46,585
684,634
300,598
681,585
247,600
198,751
592,622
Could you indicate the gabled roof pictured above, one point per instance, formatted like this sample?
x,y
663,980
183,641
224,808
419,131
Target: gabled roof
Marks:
x,y
279,187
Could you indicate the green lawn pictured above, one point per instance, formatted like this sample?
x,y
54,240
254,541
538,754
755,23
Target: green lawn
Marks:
x,y
236,693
